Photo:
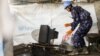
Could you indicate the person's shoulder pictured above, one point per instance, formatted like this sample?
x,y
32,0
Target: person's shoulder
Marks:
x,y
77,7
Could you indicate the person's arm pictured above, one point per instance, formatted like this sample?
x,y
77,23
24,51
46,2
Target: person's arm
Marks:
x,y
75,21
73,26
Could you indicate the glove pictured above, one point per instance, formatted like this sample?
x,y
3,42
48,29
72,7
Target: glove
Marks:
x,y
67,24
69,32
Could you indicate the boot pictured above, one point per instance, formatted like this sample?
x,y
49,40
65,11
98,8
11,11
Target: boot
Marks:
x,y
74,52
84,51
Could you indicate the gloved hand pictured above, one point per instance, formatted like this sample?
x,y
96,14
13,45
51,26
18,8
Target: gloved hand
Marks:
x,y
69,32
67,24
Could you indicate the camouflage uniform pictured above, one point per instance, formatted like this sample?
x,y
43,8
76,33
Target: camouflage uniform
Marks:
x,y
82,17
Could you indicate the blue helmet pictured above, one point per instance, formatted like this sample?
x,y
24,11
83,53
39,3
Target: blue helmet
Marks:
x,y
67,3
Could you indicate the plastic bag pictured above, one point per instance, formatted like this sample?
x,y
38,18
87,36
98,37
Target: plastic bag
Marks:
x,y
67,39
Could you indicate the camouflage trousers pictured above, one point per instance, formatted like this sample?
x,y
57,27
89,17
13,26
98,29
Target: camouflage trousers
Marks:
x,y
78,37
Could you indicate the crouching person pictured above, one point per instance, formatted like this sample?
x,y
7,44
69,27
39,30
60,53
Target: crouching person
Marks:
x,y
82,17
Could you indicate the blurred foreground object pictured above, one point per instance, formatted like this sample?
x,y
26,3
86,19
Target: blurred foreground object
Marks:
x,y
7,27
